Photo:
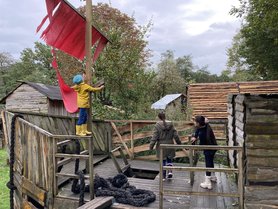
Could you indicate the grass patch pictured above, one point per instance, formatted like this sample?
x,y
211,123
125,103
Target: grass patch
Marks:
x,y
4,178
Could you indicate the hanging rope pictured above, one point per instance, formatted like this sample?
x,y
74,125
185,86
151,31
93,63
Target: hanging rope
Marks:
x,y
10,184
76,187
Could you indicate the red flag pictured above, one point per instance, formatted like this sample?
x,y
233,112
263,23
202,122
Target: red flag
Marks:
x,y
69,96
66,30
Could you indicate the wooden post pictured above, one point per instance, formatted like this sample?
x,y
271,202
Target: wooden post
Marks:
x,y
54,144
6,136
88,50
240,180
161,179
91,167
191,163
131,140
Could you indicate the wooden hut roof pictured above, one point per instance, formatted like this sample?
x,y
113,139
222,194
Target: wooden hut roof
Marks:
x,y
51,92
164,101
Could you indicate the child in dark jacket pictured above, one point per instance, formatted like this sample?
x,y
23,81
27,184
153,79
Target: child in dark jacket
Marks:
x,y
206,137
165,133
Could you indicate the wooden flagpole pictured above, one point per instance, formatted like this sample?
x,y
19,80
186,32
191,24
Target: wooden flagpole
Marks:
x,y
88,49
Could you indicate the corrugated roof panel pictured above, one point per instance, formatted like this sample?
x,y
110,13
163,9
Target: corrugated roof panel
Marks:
x,y
164,101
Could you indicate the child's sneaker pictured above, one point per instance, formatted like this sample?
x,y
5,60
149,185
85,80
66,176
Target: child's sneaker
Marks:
x,y
170,175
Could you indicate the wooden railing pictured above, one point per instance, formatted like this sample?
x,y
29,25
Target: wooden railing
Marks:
x,y
59,140
238,170
132,135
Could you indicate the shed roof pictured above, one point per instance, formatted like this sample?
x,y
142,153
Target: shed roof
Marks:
x,y
51,92
164,101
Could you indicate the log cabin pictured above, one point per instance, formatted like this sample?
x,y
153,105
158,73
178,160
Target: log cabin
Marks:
x,y
252,124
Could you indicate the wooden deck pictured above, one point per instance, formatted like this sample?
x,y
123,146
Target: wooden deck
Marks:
x,y
180,182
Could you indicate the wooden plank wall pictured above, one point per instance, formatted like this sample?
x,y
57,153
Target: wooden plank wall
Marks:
x,y
210,99
253,124
32,169
26,98
56,107
64,125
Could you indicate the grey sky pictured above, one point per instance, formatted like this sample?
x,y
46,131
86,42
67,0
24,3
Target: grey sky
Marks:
x,y
202,28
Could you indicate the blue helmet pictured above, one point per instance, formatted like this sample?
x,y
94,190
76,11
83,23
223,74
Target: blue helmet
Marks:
x,y
77,79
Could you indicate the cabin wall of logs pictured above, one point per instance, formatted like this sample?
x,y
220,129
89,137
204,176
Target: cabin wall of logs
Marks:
x,y
253,124
210,99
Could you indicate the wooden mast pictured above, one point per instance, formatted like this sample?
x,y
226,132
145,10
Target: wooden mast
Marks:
x,y
88,49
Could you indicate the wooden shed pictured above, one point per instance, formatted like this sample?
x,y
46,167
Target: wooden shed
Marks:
x,y
35,97
172,104
252,123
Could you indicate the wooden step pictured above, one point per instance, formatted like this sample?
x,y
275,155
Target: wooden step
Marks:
x,y
98,203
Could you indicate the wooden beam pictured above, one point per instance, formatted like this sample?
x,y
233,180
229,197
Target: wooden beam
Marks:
x,y
120,137
6,136
72,156
131,140
32,190
91,168
201,169
98,203
170,192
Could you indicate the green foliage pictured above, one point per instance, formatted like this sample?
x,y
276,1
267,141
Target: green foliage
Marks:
x,y
168,79
123,61
256,46
4,178
34,66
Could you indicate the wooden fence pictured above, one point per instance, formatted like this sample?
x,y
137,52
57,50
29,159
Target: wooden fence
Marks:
x,y
210,99
135,135
238,170
37,157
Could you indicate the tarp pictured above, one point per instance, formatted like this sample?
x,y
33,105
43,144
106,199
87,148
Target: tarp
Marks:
x,y
66,32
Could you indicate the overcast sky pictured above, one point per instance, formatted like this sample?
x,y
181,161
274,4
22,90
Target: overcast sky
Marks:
x,y
202,28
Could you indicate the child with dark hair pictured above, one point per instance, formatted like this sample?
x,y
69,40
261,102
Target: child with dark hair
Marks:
x,y
206,136
164,133
83,91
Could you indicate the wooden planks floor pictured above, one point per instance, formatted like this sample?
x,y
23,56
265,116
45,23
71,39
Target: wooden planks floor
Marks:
x,y
180,182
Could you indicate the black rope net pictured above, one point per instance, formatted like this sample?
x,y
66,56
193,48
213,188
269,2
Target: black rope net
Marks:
x,y
119,188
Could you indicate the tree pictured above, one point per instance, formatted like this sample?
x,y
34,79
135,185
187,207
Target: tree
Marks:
x,y
185,67
257,44
122,63
168,79
34,65
6,60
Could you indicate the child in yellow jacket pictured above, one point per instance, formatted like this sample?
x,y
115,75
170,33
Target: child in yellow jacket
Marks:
x,y
83,104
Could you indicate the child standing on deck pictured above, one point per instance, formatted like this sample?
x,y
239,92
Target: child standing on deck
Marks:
x,y
83,91
164,133
206,136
